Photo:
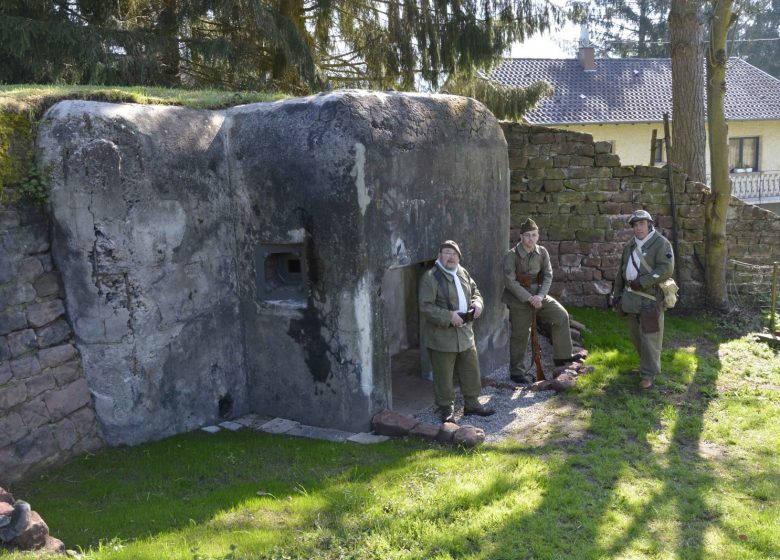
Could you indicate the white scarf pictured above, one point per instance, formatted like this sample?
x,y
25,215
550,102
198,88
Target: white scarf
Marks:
x,y
462,303
632,273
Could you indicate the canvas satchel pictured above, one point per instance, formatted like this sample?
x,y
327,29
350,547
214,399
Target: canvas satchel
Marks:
x,y
668,287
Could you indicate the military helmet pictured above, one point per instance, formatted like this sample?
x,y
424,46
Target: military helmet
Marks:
x,y
640,215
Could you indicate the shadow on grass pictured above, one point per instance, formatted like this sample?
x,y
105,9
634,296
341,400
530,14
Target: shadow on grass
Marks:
x,y
638,483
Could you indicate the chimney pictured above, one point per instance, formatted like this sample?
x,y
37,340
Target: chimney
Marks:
x,y
586,54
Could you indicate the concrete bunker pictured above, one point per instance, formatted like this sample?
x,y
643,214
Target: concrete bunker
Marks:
x,y
265,258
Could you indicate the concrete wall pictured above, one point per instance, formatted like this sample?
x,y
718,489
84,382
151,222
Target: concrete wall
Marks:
x,y
359,183
46,411
580,194
216,263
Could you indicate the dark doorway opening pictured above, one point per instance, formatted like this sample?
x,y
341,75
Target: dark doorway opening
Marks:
x,y
411,386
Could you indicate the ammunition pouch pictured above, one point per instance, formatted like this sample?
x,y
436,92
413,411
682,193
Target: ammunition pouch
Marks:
x,y
525,280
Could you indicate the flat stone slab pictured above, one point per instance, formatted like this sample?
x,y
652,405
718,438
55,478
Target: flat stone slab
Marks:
x,y
367,438
232,426
253,421
313,432
211,429
279,426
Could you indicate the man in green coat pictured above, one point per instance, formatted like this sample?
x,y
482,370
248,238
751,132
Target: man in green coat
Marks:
x,y
449,302
527,279
647,261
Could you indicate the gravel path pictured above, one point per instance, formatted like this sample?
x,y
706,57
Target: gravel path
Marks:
x,y
521,414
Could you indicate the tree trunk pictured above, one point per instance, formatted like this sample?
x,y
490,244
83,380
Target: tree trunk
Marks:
x,y
687,36
717,203
168,27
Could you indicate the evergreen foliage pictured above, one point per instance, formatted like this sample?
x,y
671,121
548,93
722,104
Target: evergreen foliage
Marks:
x,y
295,45
758,35
506,103
627,28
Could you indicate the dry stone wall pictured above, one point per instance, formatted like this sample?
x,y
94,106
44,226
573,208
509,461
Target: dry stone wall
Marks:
x,y
46,412
580,196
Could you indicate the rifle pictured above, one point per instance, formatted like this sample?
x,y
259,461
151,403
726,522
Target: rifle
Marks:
x,y
537,351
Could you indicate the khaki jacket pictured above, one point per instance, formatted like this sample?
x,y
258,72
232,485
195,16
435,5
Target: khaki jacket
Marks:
x,y
436,330
518,261
658,255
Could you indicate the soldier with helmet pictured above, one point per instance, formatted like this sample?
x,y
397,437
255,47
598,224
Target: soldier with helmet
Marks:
x,y
647,261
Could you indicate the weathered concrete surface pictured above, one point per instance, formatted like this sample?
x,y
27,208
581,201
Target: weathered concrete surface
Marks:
x,y
164,220
362,182
143,237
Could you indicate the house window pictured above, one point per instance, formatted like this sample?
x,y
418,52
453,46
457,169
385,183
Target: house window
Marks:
x,y
658,156
743,154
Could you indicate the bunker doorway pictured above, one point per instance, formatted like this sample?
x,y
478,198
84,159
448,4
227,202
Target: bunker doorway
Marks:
x,y
411,388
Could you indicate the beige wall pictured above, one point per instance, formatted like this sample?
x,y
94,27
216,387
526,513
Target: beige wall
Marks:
x,y
632,141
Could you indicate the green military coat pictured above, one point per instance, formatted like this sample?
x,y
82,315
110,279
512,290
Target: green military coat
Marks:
x,y
437,331
658,255
518,261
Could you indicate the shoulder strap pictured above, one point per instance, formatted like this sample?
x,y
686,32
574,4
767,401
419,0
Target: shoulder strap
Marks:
x,y
445,289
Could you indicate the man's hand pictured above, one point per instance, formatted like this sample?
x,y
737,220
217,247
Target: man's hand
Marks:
x,y
536,301
635,285
614,302
456,320
477,310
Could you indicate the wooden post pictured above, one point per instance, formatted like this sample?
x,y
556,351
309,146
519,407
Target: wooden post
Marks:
x,y
775,268
672,203
652,147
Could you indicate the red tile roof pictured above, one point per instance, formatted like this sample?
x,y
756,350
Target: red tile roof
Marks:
x,y
631,90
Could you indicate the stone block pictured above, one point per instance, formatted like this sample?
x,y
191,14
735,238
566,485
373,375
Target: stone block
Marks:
x,y
607,160
29,269
48,284
83,421
68,399
21,342
9,219
43,313
27,240
469,436
16,294
570,259
25,367
583,161
11,395
391,423
56,355
34,535
231,426
279,426
5,372
447,432
603,147
12,428
55,333
38,384
367,438
34,414
65,434
425,431
12,319
315,432
66,373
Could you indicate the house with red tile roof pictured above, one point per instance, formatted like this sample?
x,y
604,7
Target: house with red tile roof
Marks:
x,y
623,100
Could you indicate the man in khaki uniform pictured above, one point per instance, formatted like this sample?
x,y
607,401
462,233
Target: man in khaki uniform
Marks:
x,y
527,279
449,302
647,261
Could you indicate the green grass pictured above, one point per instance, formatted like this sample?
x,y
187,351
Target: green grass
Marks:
x,y
26,97
688,470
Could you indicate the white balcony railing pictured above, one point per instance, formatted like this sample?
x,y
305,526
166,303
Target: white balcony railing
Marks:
x,y
756,188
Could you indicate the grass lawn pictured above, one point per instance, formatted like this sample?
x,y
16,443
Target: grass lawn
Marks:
x,y
690,469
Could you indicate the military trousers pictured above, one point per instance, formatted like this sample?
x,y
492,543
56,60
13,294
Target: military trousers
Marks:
x,y
648,345
452,367
521,316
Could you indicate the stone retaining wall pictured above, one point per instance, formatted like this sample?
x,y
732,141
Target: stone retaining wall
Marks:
x,y
46,412
580,196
